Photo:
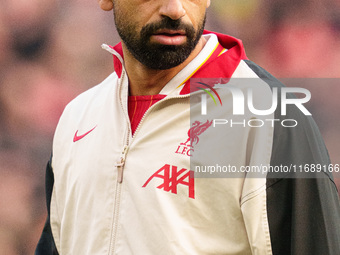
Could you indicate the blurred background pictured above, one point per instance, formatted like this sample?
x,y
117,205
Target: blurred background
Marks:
x,y
50,52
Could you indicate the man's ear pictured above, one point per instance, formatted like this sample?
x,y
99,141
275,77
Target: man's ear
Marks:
x,y
208,3
106,5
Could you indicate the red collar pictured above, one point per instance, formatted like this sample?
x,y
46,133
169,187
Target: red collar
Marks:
x,y
216,66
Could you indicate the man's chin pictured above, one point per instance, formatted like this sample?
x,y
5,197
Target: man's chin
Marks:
x,y
166,60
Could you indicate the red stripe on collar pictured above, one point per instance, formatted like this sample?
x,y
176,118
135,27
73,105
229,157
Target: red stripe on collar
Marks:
x,y
117,64
220,66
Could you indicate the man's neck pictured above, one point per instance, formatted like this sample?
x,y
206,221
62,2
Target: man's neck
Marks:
x,y
146,81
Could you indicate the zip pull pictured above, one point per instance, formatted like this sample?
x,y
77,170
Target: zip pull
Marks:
x,y
120,170
120,165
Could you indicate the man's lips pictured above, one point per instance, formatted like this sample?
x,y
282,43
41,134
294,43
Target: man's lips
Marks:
x,y
169,37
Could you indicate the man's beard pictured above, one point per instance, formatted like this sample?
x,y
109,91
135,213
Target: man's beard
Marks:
x,y
154,55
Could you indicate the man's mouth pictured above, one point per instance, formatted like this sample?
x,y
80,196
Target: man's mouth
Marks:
x,y
169,37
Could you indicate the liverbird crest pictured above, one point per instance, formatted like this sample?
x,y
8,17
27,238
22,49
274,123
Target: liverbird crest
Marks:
x,y
196,129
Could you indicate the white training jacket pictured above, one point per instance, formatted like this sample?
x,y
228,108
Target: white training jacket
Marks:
x,y
109,192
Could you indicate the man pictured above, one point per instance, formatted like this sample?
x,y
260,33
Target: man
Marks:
x,y
120,180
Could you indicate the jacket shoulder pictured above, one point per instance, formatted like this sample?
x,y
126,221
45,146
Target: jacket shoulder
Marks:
x,y
93,95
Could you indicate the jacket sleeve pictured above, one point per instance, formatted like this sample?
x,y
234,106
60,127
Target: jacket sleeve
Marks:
x,y
303,207
46,245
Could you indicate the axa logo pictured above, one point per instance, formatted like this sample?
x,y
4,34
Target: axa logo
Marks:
x,y
171,177
197,128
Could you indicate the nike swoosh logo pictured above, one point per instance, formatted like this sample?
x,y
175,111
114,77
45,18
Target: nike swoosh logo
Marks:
x,y
78,137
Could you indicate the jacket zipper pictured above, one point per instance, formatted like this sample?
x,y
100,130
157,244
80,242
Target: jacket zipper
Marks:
x,y
120,168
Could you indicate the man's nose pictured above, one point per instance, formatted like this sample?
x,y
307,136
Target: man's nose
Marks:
x,y
172,9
